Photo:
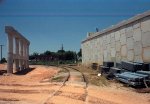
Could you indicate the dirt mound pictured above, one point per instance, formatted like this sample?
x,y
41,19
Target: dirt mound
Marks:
x,y
36,75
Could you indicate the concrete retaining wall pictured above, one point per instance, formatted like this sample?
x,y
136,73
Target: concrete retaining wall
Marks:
x,y
126,41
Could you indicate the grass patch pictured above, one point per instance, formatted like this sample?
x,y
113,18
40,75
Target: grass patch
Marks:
x,y
99,81
61,75
91,76
58,79
63,71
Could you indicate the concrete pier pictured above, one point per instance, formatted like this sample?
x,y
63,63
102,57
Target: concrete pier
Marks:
x,y
18,50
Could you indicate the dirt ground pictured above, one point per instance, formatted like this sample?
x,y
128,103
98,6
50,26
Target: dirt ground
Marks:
x,y
34,75
34,87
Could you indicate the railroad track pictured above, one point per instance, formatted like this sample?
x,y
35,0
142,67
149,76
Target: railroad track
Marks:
x,y
73,78
73,72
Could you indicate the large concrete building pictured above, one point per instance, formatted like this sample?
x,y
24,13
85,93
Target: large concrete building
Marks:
x,y
127,41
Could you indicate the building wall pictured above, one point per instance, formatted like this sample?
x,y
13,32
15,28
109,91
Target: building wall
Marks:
x,y
127,42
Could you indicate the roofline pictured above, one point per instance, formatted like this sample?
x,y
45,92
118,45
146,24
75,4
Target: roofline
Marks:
x,y
119,25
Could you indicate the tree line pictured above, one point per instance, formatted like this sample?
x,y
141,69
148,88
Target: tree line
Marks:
x,y
60,56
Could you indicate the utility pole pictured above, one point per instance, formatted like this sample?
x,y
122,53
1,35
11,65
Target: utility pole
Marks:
x,y
1,50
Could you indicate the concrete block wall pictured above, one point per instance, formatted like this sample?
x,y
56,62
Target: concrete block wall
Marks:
x,y
126,41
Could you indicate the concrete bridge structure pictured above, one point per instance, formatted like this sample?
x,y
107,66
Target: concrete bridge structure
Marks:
x,y
18,50
126,41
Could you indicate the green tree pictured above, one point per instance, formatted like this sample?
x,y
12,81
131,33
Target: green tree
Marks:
x,y
3,60
47,53
69,55
79,55
34,56
61,54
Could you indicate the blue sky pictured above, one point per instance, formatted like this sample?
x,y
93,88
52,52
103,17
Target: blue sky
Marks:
x,y
50,23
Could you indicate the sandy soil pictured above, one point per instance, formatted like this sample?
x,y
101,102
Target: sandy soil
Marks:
x,y
113,95
28,89
37,74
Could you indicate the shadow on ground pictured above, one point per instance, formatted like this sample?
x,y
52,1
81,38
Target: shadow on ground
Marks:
x,y
25,71
2,72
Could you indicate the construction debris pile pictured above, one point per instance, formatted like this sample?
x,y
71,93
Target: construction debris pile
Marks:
x,y
131,73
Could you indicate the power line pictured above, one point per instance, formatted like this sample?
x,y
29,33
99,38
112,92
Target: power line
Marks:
x,y
68,14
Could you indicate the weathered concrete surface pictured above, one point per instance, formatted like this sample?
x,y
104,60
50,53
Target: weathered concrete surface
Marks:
x,y
145,24
128,40
146,39
18,50
137,34
130,43
123,39
124,51
137,48
146,54
130,55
